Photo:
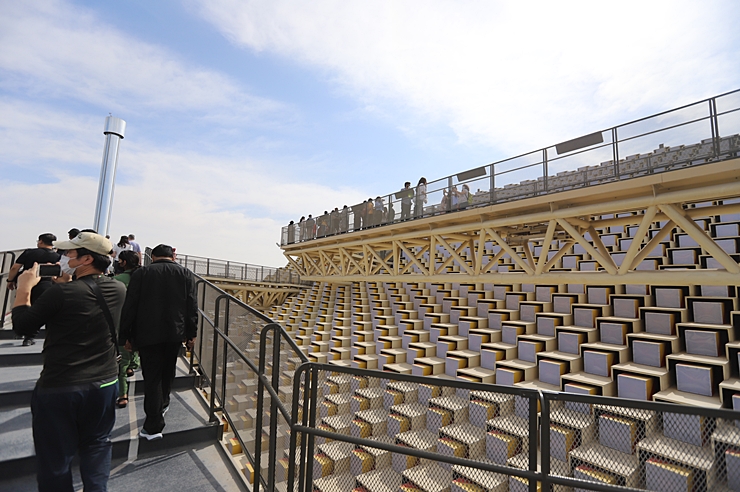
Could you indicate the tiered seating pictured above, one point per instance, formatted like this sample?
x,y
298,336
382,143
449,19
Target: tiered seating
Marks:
x,y
674,343
479,425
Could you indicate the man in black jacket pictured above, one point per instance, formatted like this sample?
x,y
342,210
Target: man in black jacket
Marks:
x,y
160,313
73,403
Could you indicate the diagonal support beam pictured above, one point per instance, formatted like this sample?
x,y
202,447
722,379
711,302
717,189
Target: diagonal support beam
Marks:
x,y
637,240
556,258
653,243
546,247
351,260
514,256
608,265
706,242
454,253
380,260
599,244
494,261
413,258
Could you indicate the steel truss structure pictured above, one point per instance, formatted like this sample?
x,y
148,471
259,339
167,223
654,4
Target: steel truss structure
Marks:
x,y
258,295
535,233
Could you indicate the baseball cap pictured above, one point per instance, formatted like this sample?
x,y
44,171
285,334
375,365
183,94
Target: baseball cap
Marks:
x,y
88,240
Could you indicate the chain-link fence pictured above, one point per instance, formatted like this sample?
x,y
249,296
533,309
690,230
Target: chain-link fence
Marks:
x,y
378,431
639,444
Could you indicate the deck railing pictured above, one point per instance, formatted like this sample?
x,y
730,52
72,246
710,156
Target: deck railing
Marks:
x,y
698,133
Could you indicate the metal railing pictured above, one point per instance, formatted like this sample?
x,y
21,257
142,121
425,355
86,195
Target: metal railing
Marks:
x,y
211,267
8,296
681,137
305,426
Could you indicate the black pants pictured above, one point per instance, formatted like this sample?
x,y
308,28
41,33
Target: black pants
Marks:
x,y
73,420
158,367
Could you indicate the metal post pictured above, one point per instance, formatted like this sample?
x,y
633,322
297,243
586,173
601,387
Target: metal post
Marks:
x,y
114,131
544,169
208,266
533,424
493,184
714,123
545,441
228,269
615,152
211,414
274,414
449,194
312,421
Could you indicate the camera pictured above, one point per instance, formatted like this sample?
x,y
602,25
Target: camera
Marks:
x,y
50,271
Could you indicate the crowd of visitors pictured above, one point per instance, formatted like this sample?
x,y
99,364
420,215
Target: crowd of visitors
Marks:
x,y
95,324
374,212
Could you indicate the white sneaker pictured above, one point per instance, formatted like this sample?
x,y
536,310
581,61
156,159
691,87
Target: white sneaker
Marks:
x,y
150,437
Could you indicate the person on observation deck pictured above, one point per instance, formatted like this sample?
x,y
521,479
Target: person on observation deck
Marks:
x,y
421,197
407,195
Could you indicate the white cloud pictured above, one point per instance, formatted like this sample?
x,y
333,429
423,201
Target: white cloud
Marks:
x,y
511,75
204,205
54,49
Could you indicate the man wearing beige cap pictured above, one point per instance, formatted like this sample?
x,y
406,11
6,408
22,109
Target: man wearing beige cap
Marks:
x,y
73,404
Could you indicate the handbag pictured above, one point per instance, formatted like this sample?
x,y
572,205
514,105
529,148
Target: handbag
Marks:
x,y
95,288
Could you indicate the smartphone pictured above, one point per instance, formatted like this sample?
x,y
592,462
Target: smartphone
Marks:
x,y
50,271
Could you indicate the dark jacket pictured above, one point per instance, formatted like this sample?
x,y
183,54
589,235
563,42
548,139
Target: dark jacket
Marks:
x,y
161,305
78,347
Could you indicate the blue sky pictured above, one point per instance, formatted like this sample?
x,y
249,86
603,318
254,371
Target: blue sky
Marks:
x,y
244,115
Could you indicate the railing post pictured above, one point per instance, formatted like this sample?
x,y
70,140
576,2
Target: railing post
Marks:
x,y
714,123
544,170
274,414
228,269
312,422
615,152
544,441
208,266
449,194
214,366
492,195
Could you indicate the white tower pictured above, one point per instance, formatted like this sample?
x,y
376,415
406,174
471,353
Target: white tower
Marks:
x,y
114,131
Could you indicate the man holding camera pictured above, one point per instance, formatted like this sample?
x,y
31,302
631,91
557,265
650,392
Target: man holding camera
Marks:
x,y
73,403
42,253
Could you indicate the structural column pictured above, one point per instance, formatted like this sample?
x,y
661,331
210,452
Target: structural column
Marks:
x,y
114,132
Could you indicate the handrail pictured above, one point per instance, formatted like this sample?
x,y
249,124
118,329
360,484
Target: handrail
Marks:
x,y
353,218
212,267
5,267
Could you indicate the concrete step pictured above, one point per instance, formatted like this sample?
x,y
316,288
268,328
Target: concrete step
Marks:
x,y
17,382
201,467
186,425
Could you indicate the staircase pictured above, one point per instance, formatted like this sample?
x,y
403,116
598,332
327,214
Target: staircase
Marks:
x,y
189,457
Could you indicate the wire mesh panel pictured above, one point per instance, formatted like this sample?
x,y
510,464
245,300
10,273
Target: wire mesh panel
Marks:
x,y
646,446
391,432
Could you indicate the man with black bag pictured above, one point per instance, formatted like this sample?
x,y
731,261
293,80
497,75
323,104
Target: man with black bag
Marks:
x,y
73,403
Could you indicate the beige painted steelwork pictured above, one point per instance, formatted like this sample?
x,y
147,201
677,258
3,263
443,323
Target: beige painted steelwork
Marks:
x,y
259,295
556,222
